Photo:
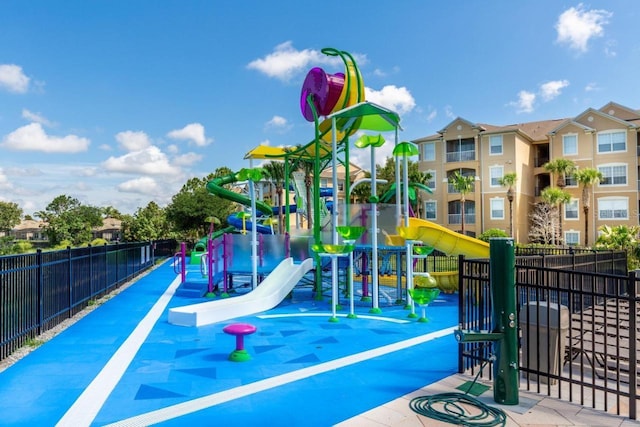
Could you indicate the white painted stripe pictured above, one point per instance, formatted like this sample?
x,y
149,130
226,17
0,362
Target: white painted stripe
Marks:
x,y
360,316
189,407
86,407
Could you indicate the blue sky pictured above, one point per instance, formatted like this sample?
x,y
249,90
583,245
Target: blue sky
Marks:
x,y
120,102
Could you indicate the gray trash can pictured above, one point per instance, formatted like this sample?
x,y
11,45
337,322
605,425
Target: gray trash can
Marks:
x,y
544,328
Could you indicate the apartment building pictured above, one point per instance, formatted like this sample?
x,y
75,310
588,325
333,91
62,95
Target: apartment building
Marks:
x,y
605,139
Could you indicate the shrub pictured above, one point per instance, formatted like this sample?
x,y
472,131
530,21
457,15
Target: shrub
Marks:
x,y
492,232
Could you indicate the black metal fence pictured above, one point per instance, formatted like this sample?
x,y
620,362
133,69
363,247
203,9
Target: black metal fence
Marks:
x,y
40,290
578,329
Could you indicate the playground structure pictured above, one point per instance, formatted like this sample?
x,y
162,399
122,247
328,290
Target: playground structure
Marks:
x,y
339,98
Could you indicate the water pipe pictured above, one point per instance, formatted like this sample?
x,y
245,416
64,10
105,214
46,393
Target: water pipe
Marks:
x,y
210,264
183,261
505,323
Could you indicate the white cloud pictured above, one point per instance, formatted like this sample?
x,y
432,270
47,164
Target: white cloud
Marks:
x,y
36,117
285,61
590,87
13,79
4,181
133,140
278,124
525,102
32,137
105,147
88,171
448,111
149,161
173,149
191,132
552,89
398,99
432,115
576,26
187,159
143,185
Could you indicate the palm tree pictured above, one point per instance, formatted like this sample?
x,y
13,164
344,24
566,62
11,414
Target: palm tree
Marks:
x,y
555,197
420,180
508,180
275,170
587,177
561,168
306,165
463,185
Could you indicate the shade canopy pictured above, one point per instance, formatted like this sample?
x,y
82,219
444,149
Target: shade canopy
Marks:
x,y
367,116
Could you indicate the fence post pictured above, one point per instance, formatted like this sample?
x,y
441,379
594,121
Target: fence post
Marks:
x,y
461,323
633,336
40,290
92,286
115,283
70,282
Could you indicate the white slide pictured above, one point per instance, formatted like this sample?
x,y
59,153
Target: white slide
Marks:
x,y
269,293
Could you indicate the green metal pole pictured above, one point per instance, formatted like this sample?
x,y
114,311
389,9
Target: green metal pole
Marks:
x,y
316,200
503,292
287,209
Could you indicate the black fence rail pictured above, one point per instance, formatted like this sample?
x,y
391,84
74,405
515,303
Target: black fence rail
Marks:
x,y
555,250
40,290
579,335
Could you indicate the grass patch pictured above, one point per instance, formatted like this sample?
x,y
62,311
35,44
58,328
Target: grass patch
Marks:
x,y
34,342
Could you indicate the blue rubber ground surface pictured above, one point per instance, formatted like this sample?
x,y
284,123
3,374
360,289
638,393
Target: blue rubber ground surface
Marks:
x,y
178,365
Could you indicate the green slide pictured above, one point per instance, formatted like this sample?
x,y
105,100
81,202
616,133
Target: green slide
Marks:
x,y
215,187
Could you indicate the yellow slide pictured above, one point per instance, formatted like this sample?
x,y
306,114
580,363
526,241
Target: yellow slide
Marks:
x,y
443,239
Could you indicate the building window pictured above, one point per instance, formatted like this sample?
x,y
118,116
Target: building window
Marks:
x,y
497,208
613,174
612,141
569,144
430,209
572,238
431,183
571,210
613,208
496,172
429,152
570,181
495,144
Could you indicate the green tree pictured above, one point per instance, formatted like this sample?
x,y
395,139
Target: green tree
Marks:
x,y
621,237
463,184
555,197
508,180
193,204
67,219
361,192
111,212
148,223
10,214
275,171
587,177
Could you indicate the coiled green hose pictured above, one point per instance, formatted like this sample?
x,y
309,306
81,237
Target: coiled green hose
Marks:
x,y
448,407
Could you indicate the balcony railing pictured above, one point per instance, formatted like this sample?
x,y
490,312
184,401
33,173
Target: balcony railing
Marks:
x,y
461,156
469,218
